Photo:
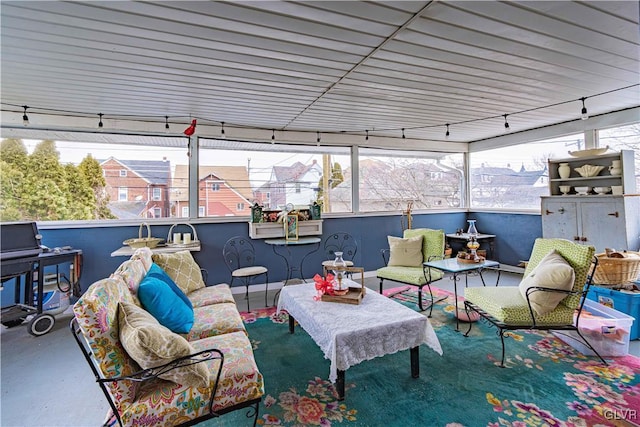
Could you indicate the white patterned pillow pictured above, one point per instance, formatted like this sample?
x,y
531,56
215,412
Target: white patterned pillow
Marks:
x,y
553,271
182,268
151,345
405,252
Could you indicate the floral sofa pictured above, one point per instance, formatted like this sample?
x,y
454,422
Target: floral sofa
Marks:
x,y
203,373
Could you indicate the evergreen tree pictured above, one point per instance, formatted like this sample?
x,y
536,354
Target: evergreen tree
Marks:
x,y
80,198
10,184
92,172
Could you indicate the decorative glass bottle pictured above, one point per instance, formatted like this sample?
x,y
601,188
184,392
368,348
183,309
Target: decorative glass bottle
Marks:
x,y
472,231
339,273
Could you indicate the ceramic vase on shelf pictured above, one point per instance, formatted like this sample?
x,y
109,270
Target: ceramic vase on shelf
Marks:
x,y
564,170
339,274
615,169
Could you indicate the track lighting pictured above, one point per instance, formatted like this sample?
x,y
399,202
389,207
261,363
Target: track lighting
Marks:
x,y
100,121
166,123
273,136
506,123
446,135
366,138
403,137
25,118
584,113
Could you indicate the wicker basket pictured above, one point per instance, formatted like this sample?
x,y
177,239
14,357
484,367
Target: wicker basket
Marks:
x,y
141,242
617,271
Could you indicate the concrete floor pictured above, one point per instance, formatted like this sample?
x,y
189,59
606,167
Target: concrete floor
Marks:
x,y
45,381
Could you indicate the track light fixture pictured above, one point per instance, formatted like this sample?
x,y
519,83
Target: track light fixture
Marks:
x,y
25,118
584,114
166,123
366,138
318,138
403,137
222,130
506,123
100,121
446,135
273,136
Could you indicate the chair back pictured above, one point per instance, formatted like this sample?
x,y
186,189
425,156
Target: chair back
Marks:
x,y
433,241
340,242
238,252
578,256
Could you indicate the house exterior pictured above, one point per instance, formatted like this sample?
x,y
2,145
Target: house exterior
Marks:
x,y
495,186
296,184
222,191
137,188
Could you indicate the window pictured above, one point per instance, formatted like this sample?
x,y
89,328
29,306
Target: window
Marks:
x,y
515,177
123,194
272,175
390,181
201,211
185,212
623,138
157,212
215,187
97,165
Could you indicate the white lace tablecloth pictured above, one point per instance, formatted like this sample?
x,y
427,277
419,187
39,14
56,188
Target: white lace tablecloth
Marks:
x,y
349,334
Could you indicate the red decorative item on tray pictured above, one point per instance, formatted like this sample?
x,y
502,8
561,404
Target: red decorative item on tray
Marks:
x,y
323,285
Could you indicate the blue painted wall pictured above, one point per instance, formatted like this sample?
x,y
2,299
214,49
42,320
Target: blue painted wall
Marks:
x,y
515,236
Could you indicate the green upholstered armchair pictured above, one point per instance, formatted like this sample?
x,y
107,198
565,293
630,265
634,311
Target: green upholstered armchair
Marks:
x,y
433,242
532,304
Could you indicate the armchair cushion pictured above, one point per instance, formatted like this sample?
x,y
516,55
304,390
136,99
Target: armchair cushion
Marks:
x,y
433,241
182,268
552,272
405,252
150,344
506,305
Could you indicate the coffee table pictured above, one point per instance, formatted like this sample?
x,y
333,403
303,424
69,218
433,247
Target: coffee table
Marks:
x,y
348,334
453,266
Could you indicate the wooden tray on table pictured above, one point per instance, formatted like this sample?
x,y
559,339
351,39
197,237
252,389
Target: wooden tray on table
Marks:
x,y
355,294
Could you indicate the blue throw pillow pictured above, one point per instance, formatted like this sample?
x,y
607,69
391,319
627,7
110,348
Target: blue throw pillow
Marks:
x,y
156,271
157,297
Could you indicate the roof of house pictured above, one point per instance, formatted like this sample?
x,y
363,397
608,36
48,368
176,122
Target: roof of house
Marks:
x,y
236,177
157,172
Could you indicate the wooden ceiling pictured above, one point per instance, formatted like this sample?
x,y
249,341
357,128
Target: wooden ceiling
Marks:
x,y
327,66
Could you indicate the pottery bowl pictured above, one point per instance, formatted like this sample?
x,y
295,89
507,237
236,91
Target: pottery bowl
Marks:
x,y
564,189
602,190
582,190
589,170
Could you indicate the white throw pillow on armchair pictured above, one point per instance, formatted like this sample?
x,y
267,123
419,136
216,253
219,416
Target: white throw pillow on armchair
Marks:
x,y
553,271
405,252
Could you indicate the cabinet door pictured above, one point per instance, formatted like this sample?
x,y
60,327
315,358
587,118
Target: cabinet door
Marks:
x,y
603,224
559,219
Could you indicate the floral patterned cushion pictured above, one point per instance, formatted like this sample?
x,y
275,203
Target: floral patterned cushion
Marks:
x,y
164,403
132,271
97,315
506,304
211,295
214,320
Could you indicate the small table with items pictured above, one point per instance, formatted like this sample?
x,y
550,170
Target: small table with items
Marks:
x,y
288,257
453,266
460,240
349,334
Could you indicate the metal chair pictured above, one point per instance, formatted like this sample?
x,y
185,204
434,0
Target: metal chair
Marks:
x,y
240,256
340,242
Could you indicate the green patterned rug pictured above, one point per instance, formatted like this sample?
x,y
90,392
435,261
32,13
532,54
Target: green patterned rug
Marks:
x,y
545,383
